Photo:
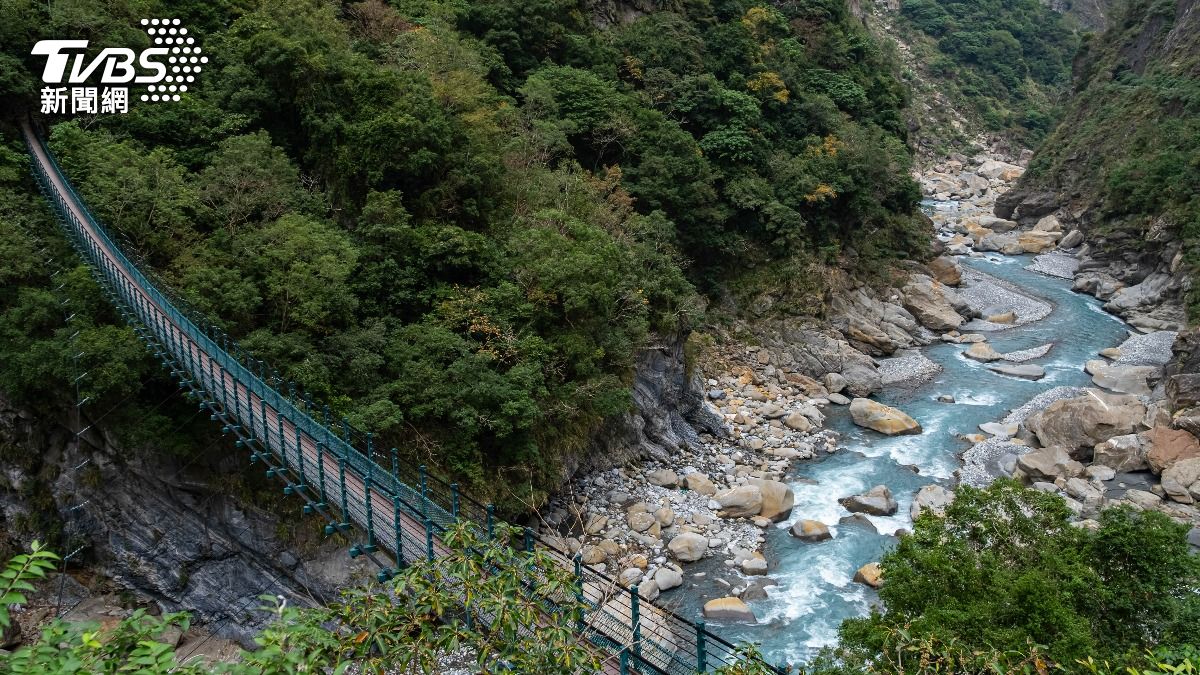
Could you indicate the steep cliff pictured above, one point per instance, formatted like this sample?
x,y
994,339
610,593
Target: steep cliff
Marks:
x,y
173,533
1122,166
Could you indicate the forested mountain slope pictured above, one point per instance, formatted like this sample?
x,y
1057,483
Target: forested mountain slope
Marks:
x,y
459,223
1124,164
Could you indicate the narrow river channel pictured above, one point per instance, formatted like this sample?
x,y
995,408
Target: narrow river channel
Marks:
x,y
815,590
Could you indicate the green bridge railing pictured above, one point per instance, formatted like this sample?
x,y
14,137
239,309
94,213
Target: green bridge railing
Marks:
x,y
386,503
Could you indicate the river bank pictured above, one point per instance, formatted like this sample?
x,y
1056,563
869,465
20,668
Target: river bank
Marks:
x,y
774,523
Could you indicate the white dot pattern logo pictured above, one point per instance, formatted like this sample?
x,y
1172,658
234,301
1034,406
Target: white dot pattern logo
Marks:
x,y
184,55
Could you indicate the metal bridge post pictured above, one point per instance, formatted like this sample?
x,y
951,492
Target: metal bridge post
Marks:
x,y
624,661
345,430
635,619
299,462
491,521
429,538
371,547
578,560
325,410
321,471
279,419
701,654
395,465
396,523
342,479
454,501
424,492
370,447
528,540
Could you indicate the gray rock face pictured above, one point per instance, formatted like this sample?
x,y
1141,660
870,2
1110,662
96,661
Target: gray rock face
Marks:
x,y
166,534
877,501
668,408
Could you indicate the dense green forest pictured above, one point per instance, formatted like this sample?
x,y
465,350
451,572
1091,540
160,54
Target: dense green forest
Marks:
x,y
1129,145
1008,60
457,222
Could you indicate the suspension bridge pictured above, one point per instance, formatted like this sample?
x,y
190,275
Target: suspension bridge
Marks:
x,y
395,512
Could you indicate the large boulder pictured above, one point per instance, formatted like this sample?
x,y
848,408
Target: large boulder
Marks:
x,y
667,578
933,498
1038,242
1121,378
877,501
742,501
777,498
861,375
1181,480
982,351
1047,464
997,170
729,609
945,270
688,546
927,301
870,574
1121,453
882,418
1165,447
1078,424
699,482
1073,239
663,478
811,531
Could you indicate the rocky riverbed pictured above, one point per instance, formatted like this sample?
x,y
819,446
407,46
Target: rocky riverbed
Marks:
x,y
726,516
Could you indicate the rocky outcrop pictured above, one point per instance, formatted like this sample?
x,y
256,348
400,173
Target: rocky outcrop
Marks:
x,y
668,409
164,530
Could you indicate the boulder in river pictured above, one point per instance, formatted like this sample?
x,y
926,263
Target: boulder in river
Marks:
x,y
777,498
982,351
870,574
882,418
811,531
1025,371
1121,378
877,501
729,609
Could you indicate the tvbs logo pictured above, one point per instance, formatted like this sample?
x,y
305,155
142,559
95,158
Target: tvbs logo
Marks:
x,y
165,70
